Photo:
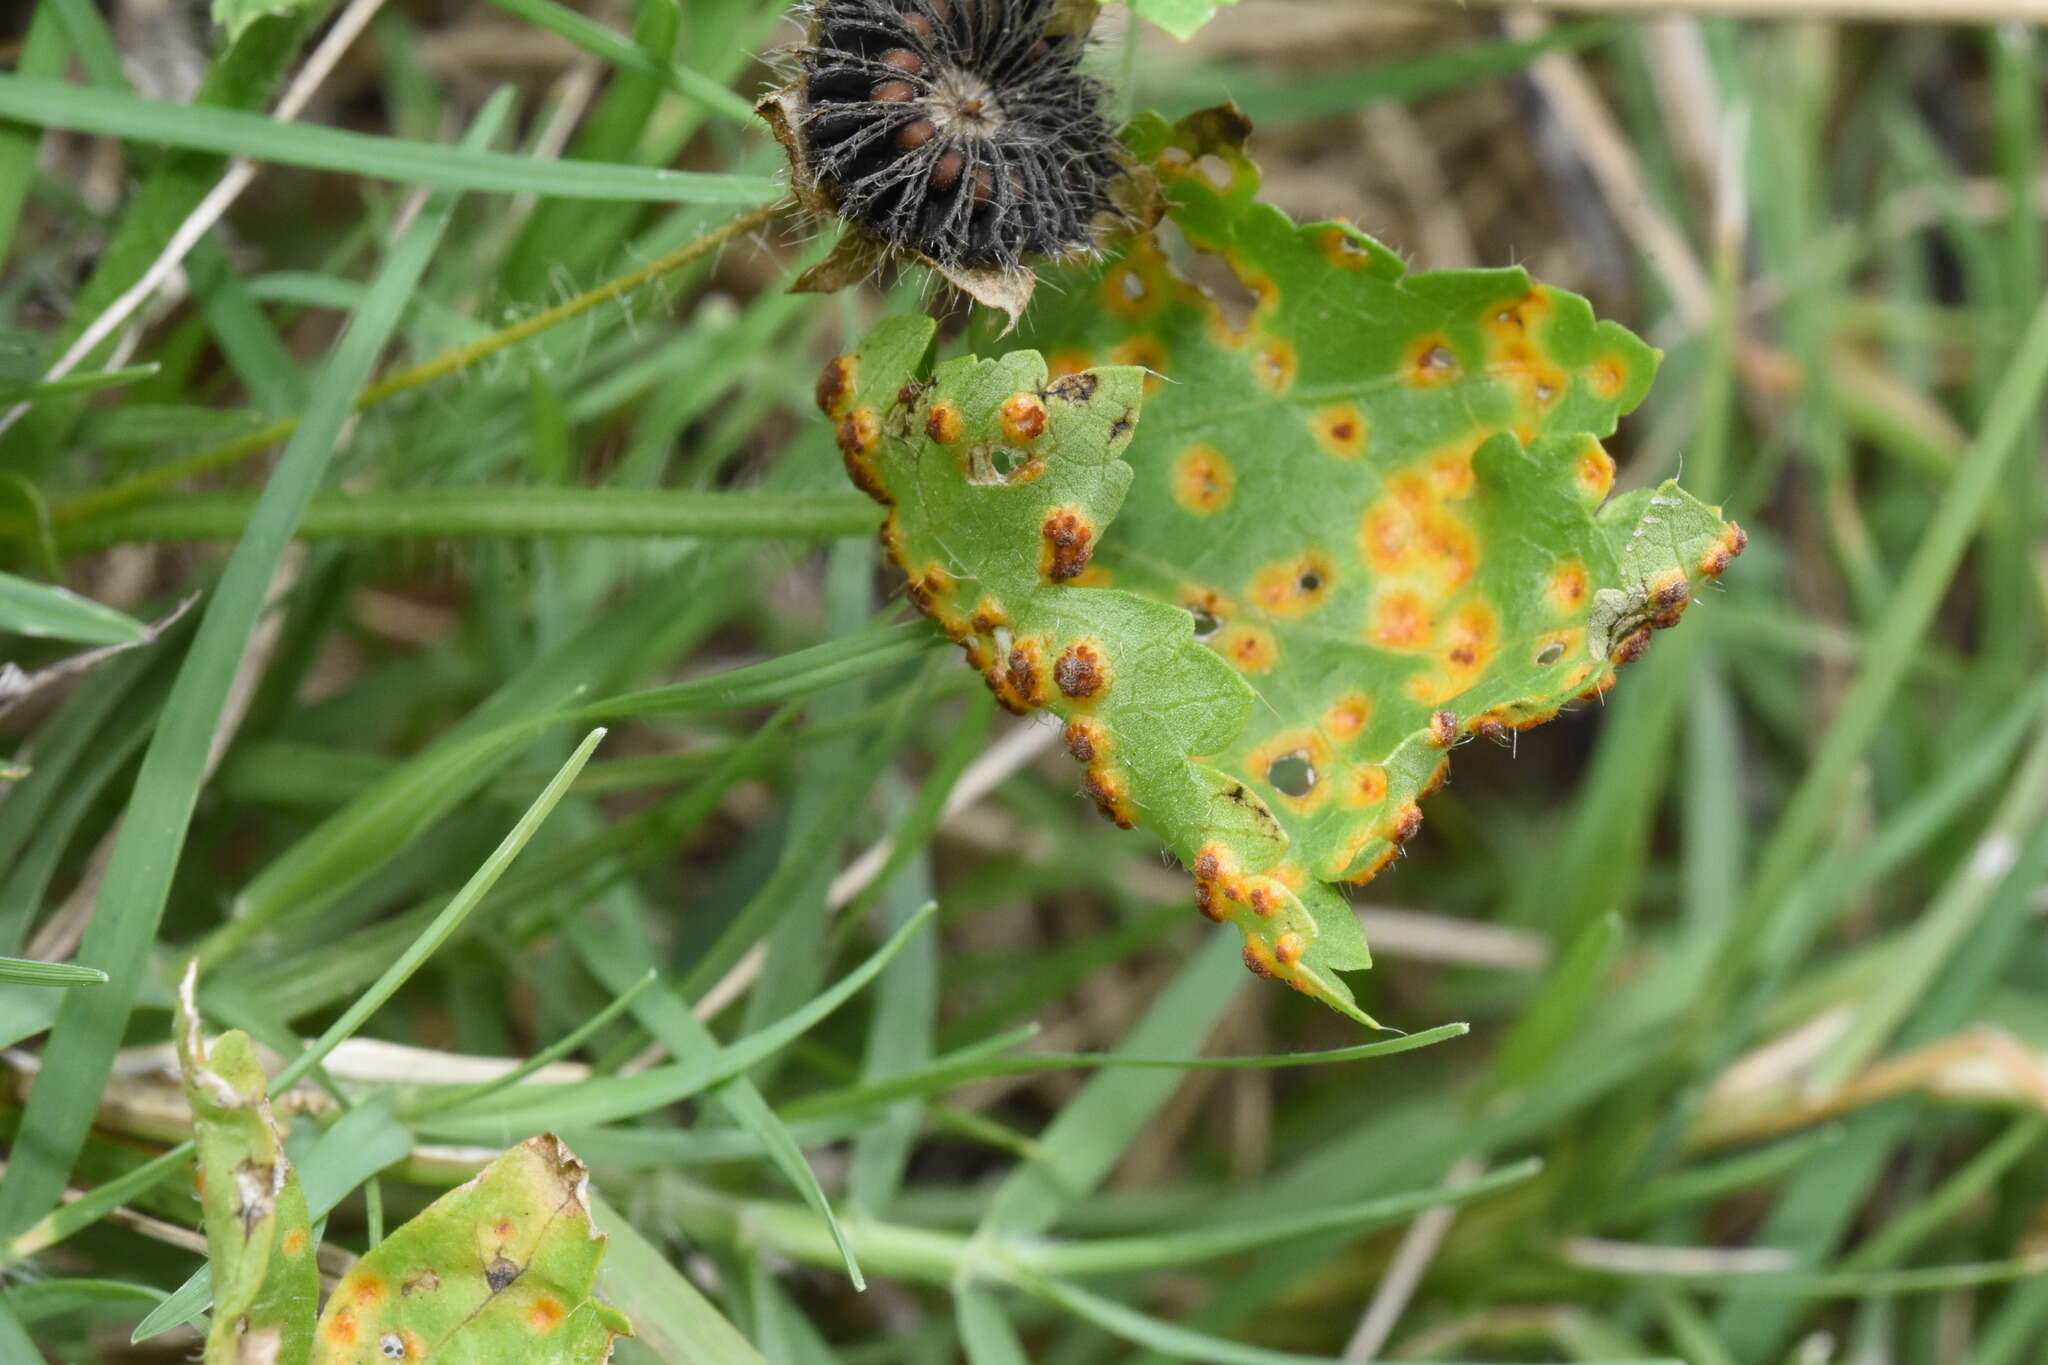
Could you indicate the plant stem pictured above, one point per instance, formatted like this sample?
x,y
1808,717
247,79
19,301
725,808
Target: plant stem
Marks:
x,y
442,512
135,489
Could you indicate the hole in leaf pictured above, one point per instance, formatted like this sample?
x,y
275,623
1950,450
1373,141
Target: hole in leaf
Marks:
x,y
1309,581
1234,300
1292,774
1550,654
1008,461
1207,622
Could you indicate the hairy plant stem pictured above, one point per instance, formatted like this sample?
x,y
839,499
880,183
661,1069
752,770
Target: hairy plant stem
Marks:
x,y
132,490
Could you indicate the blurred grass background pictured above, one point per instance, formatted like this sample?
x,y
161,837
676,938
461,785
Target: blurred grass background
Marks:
x,y
1752,954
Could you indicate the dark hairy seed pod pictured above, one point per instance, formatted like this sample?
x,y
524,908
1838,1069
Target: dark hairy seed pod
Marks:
x,y
962,130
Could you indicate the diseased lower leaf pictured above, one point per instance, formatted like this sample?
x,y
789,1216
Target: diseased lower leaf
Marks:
x,y
259,1240
497,1270
1359,524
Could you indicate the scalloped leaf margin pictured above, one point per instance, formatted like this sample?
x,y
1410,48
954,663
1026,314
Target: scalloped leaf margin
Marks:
x,y
1360,523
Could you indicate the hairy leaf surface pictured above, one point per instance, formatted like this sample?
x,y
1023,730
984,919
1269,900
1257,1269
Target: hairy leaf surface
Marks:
x,y
1361,521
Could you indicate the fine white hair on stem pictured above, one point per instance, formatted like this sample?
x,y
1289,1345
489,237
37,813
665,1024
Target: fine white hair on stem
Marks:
x,y
209,210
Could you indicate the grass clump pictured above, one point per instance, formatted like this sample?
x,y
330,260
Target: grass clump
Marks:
x,y
341,509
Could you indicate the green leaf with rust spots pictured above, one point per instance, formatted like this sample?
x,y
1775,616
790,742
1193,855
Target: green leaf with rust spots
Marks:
x,y
497,1270
259,1240
1360,521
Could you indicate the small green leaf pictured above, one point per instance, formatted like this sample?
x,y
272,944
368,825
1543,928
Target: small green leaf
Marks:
x,y
259,1238
1360,521
1182,18
499,1269
43,610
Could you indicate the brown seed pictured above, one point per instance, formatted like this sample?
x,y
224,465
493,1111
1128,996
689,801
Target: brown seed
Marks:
x,y
918,24
904,60
984,184
914,135
946,173
895,92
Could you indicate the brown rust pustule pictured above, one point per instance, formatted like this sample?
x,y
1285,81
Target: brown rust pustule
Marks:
x,y
1069,544
1080,671
1024,674
1633,648
1406,823
1443,729
1110,797
1087,741
835,386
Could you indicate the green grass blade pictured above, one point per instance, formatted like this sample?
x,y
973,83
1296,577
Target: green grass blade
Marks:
x,y
131,902
89,382
600,41
669,1314
49,612
444,924
52,104
447,512
15,971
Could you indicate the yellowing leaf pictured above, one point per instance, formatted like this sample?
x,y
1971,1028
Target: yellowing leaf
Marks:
x,y
495,1271
1360,521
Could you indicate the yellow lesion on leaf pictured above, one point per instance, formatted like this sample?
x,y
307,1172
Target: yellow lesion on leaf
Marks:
x,y
1568,586
1066,361
1293,586
1429,362
1145,351
1250,649
1593,473
1274,364
1401,620
1203,480
1347,717
1342,248
1340,430
1304,783
1365,784
1607,376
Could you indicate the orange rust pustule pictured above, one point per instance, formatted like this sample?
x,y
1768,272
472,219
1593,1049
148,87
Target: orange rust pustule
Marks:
x,y
1021,668
1023,417
1006,696
1079,671
1087,741
1255,960
1406,823
1437,779
1633,648
857,437
1716,560
1069,544
857,433
943,424
835,386
1107,790
1288,948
